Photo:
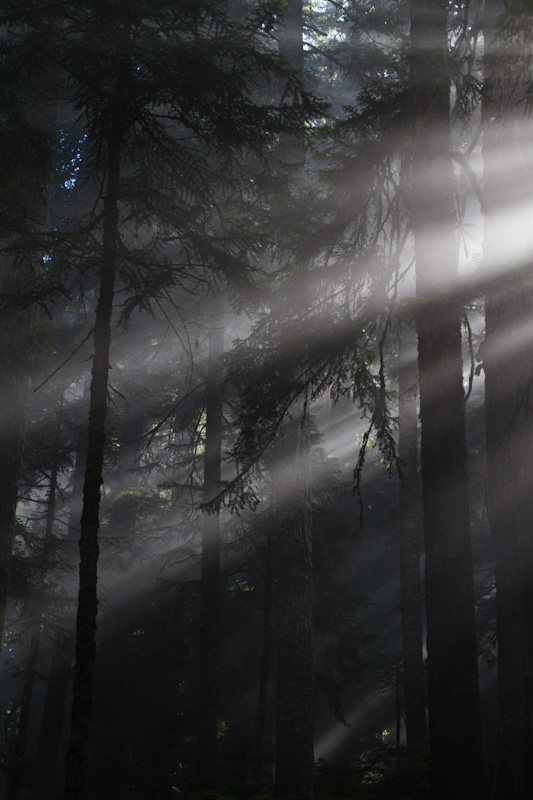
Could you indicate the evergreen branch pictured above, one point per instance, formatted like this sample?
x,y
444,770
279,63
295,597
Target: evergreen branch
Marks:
x,y
66,361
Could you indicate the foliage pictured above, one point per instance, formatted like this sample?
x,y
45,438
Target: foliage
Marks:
x,y
182,81
313,262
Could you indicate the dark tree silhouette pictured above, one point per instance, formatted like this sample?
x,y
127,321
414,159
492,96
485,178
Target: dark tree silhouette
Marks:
x,y
508,406
414,678
453,691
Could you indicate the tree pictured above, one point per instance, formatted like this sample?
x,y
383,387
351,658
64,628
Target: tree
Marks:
x,y
414,679
453,691
507,367
293,536
294,609
171,198
166,90
266,647
62,645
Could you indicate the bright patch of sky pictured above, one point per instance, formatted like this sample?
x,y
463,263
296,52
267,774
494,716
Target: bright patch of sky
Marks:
x,y
72,153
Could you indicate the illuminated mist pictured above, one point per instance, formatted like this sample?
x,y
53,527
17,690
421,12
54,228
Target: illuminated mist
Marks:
x,y
313,338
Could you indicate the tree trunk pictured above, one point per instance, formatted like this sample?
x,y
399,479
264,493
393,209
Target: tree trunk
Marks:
x,y
59,677
508,410
60,672
85,652
210,566
414,676
294,550
41,96
510,509
266,652
453,690
294,606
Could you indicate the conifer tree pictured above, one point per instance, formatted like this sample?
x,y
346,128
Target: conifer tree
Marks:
x,y
453,689
165,89
507,366
293,536
60,669
414,679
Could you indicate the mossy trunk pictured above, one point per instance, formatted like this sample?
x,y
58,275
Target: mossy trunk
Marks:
x,y
453,689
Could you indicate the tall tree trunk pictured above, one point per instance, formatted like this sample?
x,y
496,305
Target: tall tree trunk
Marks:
x,y
266,654
41,96
210,565
294,607
85,652
60,671
414,676
292,493
453,690
508,410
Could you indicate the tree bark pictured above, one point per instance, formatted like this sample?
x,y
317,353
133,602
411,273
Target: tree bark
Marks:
x,y
414,676
294,550
85,652
508,410
60,671
210,564
266,654
294,607
453,690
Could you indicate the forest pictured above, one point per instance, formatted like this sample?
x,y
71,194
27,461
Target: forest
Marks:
x,y
266,355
